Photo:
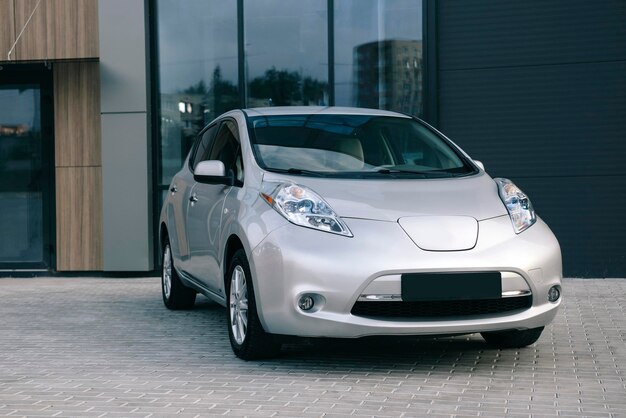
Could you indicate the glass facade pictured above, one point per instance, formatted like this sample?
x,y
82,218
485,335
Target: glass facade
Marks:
x,y
286,58
214,56
20,175
378,54
198,78
25,168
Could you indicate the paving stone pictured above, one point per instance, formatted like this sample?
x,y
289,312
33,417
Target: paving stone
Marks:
x,y
93,347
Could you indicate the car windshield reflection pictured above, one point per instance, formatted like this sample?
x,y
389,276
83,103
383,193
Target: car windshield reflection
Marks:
x,y
353,146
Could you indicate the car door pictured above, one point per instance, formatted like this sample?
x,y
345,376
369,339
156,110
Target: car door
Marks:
x,y
180,190
205,209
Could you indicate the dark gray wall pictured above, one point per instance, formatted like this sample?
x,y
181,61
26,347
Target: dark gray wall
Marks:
x,y
537,91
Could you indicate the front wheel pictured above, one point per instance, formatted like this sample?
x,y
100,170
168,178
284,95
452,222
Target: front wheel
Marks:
x,y
247,338
175,294
512,338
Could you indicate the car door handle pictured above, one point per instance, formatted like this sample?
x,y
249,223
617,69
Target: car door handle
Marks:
x,y
193,198
173,189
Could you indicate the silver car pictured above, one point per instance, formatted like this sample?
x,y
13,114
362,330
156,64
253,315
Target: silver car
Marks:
x,y
343,222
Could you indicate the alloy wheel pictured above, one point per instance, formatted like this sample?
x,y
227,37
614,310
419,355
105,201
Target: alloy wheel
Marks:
x,y
238,304
167,272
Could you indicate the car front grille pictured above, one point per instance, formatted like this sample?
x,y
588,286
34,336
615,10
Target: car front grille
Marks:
x,y
433,309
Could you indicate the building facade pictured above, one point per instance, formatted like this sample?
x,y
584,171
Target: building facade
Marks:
x,y
101,100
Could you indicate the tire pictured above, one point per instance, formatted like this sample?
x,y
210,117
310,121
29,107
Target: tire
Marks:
x,y
512,338
247,338
175,294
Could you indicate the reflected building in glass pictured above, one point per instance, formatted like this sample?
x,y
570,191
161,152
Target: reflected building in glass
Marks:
x,y
389,75
215,56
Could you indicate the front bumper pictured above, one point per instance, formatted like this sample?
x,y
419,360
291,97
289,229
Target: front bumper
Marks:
x,y
293,261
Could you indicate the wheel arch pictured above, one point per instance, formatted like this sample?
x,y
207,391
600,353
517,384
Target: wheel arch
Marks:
x,y
163,235
233,244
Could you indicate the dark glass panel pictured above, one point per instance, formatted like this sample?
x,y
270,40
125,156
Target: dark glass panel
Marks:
x,y
378,54
286,44
21,175
198,78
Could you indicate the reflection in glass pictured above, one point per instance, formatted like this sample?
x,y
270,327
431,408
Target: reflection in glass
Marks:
x,y
378,54
286,44
353,146
197,41
21,175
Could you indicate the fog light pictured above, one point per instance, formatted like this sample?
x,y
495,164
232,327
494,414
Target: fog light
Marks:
x,y
306,303
554,293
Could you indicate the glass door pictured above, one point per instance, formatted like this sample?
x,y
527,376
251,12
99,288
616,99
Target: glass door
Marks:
x,y
25,170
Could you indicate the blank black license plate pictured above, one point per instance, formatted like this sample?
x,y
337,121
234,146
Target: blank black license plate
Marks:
x,y
451,286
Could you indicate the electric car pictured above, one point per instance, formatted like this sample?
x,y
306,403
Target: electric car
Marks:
x,y
346,222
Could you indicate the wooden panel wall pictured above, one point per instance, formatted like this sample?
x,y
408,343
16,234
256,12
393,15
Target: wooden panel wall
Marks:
x,y
75,28
78,166
77,115
79,218
35,43
59,29
7,27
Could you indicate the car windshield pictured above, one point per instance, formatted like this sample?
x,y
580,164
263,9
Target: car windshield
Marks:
x,y
353,146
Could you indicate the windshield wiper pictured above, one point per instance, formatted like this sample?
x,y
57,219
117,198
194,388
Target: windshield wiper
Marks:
x,y
424,174
399,171
297,171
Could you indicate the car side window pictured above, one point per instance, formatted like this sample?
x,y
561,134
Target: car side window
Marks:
x,y
227,149
202,150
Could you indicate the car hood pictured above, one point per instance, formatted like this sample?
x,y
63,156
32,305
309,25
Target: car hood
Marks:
x,y
389,200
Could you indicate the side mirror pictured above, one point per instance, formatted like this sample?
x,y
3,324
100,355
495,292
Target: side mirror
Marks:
x,y
480,164
211,172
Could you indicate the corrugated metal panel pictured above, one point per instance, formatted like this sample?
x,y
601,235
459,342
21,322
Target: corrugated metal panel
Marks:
x,y
587,216
561,120
487,33
537,91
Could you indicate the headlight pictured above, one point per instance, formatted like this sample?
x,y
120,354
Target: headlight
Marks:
x,y
517,204
302,206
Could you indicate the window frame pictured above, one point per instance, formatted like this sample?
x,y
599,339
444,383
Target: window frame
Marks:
x,y
196,145
237,137
219,124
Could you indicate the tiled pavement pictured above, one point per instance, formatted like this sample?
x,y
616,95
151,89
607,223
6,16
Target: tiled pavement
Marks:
x,y
107,347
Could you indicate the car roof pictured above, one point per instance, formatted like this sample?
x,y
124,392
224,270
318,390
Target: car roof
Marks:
x,y
319,110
